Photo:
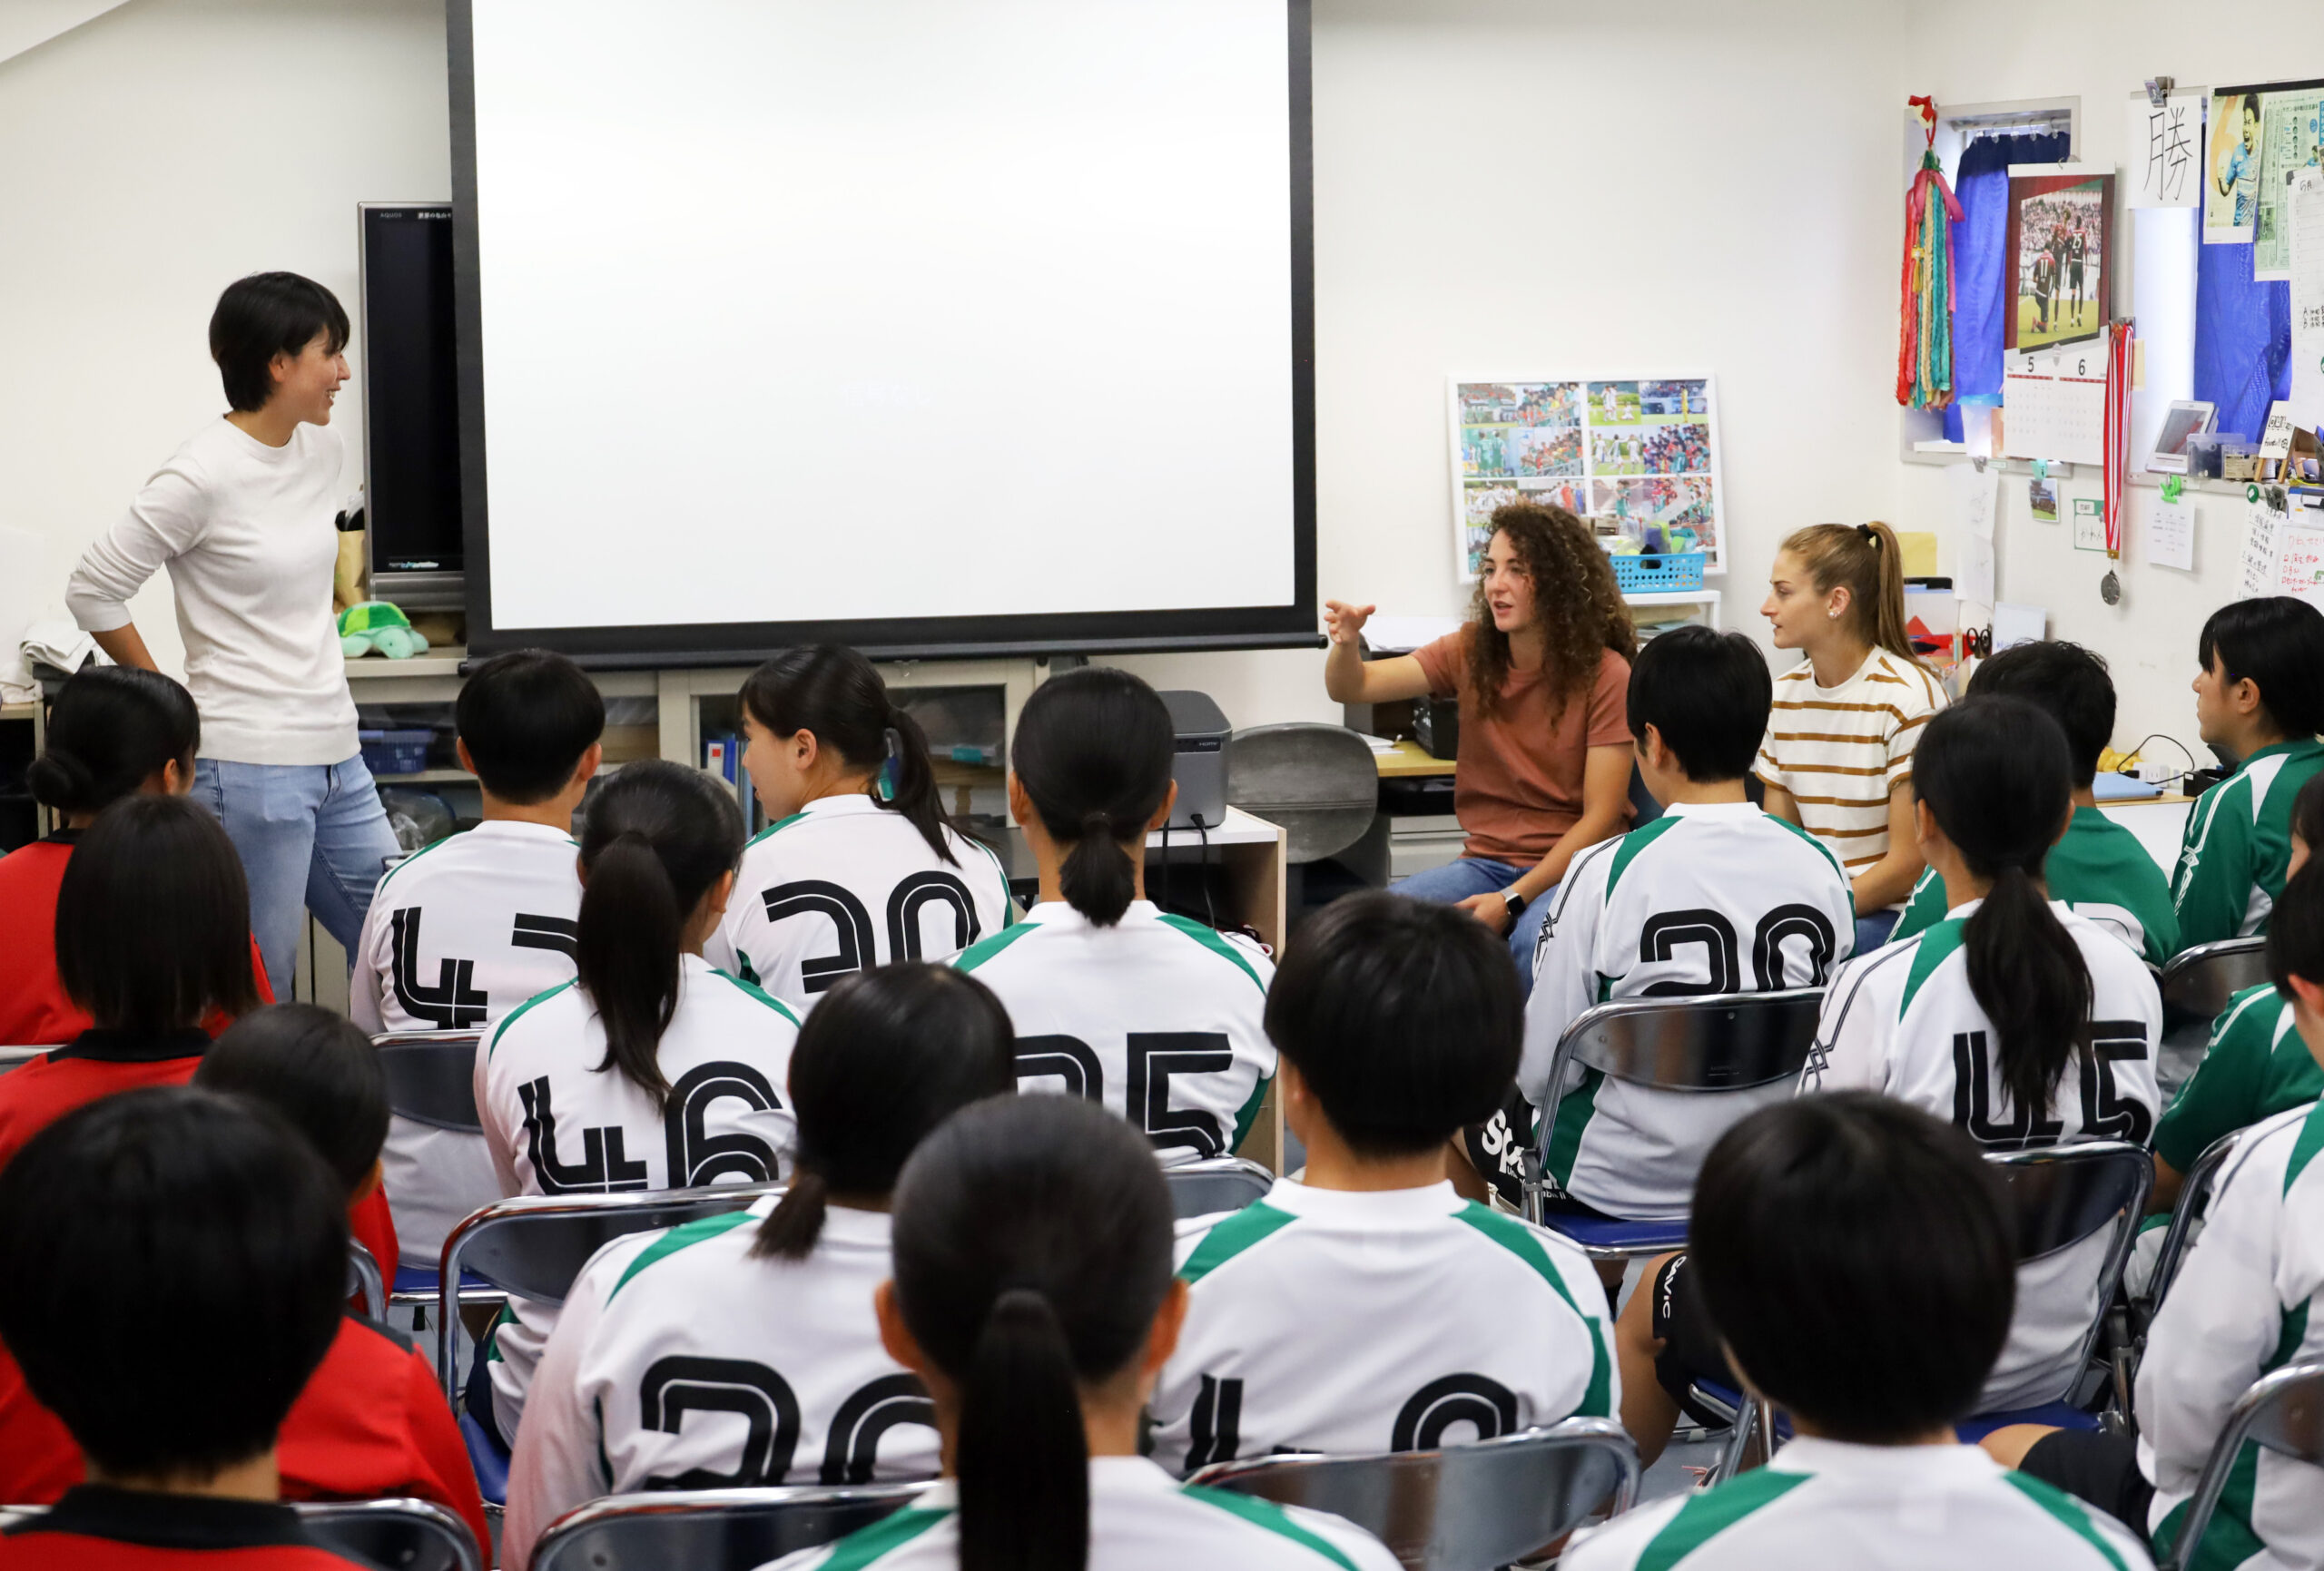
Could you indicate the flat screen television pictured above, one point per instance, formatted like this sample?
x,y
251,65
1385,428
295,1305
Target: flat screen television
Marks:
x,y
407,360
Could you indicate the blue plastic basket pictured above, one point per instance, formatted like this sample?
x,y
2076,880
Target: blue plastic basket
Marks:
x,y
1658,572
395,752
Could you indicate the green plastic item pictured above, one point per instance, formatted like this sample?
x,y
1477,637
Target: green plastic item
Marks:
x,y
374,624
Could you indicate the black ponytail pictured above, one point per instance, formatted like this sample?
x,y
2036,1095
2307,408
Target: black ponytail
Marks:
x,y
111,729
1032,1252
886,1056
657,838
1093,749
1996,775
834,693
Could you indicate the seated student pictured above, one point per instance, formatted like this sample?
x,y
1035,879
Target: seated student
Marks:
x,y
651,1070
461,933
1854,1254
1033,1295
2260,697
860,866
1713,896
152,939
1153,1015
113,732
2255,1065
2248,1300
2099,868
205,1220
782,1292
1366,1306
2021,1023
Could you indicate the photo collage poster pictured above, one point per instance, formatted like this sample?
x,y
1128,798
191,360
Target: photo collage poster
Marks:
x,y
1633,457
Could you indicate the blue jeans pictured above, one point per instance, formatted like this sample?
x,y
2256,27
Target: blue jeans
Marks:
x,y
312,837
1456,880
1873,930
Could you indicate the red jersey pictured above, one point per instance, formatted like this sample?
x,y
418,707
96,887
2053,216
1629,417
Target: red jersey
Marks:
x,y
371,1424
33,1010
374,1228
94,1064
96,1528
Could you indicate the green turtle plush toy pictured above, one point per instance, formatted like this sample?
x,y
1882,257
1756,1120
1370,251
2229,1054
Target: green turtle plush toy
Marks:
x,y
374,624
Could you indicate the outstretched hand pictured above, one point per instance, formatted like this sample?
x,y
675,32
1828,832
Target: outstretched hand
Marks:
x,y
1344,624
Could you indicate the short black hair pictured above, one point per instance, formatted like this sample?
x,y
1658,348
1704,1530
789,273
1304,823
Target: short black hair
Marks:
x,y
112,728
154,918
2308,813
1709,694
1856,1255
315,1068
2278,643
177,1267
266,315
528,716
1404,1016
2066,680
2296,927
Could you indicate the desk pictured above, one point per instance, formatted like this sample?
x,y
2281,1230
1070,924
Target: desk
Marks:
x,y
1408,760
2159,822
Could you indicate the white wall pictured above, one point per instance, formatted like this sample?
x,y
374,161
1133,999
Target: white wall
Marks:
x,y
1975,51
154,155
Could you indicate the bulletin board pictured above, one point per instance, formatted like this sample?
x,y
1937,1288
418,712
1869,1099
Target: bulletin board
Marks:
x,y
1625,454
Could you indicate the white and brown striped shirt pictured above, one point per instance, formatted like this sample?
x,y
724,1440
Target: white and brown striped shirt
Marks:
x,y
1840,752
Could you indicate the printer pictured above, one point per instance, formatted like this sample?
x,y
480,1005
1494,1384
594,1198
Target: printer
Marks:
x,y
1200,765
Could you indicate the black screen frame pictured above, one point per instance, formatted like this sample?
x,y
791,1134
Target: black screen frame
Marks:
x,y
669,645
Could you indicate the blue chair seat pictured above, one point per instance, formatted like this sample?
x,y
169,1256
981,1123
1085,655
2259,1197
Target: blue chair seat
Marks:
x,y
1612,1232
2053,1415
490,1462
423,1279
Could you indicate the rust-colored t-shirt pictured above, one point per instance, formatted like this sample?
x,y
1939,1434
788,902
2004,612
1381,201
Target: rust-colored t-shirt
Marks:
x,y
1517,784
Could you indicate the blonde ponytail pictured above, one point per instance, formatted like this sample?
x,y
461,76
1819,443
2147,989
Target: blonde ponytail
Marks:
x,y
1866,560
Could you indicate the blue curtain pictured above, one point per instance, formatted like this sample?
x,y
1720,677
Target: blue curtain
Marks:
x,y
2242,338
1982,274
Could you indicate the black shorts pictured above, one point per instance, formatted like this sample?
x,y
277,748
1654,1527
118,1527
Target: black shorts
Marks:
x,y
2101,1469
1690,1346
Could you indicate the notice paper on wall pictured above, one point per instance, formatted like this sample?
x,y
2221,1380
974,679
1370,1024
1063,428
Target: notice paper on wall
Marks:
x,y
2304,217
2300,565
2263,527
2061,418
1975,496
2171,533
2162,149
2291,139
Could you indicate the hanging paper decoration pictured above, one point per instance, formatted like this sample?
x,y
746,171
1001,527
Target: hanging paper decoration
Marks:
x,y
2118,437
1925,336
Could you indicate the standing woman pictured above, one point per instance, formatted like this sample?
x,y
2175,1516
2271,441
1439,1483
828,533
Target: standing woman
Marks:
x,y
242,516
1542,671
1838,756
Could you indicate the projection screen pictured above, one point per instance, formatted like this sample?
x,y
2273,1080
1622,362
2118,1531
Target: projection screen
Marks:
x,y
931,326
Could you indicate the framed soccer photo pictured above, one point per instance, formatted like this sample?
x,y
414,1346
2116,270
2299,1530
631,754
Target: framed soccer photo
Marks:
x,y
2060,241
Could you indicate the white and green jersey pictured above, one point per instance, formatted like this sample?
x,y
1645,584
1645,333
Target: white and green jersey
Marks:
x,y
1716,897
1157,1017
2246,1303
457,935
556,1123
682,1361
1869,1509
1140,1519
843,885
2238,844
1901,1020
1398,1321
2100,872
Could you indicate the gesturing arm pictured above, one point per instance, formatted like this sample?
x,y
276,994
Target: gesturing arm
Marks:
x,y
1349,678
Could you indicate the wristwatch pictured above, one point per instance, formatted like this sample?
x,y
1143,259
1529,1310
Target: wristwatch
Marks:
x,y
1515,902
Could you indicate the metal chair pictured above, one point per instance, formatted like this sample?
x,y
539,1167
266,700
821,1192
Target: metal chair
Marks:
x,y
431,1080
532,1247
363,1279
1718,1042
17,1057
407,1535
711,1529
1459,1508
2283,1411
2196,986
1215,1184
2194,1200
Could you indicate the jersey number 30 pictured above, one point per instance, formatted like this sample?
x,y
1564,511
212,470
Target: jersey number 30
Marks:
x,y
851,923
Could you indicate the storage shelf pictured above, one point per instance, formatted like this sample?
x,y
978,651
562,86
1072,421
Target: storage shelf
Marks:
x,y
424,777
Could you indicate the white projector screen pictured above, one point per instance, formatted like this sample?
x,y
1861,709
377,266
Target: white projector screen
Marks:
x,y
931,326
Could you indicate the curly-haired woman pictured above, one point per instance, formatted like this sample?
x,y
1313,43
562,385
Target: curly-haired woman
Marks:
x,y
1542,671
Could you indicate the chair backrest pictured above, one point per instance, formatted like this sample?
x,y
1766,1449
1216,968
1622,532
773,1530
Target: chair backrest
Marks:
x,y
17,1057
431,1078
2283,1411
1459,1508
711,1529
364,1280
1711,1042
2064,1194
2194,1199
1215,1184
533,1246
1318,781
406,1534
2198,982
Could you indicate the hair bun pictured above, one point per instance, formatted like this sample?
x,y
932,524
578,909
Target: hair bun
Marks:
x,y
60,780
